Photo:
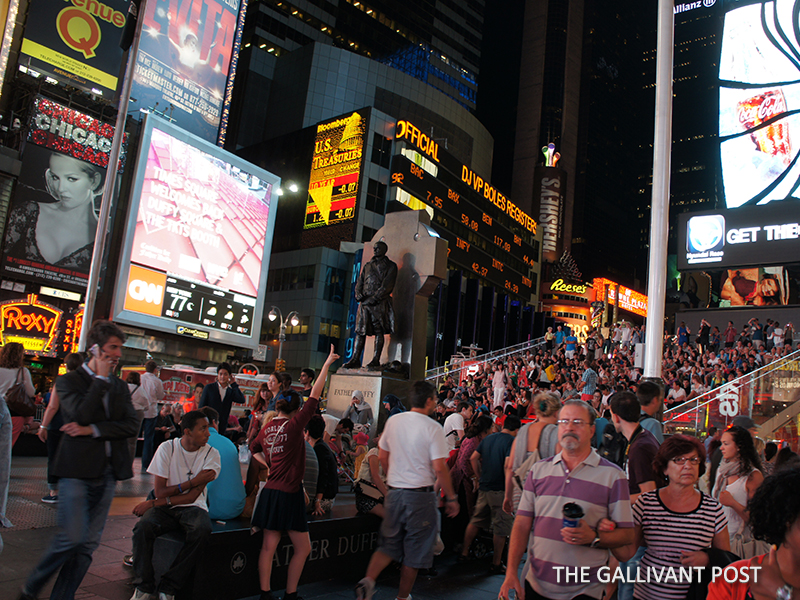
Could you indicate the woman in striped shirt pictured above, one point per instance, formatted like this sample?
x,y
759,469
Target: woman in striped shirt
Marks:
x,y
676,523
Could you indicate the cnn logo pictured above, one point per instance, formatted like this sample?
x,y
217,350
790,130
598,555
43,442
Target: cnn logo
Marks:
x,y
146,292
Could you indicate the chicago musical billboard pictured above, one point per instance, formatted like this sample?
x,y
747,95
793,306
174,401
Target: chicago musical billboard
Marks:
x,y
196,253
49,235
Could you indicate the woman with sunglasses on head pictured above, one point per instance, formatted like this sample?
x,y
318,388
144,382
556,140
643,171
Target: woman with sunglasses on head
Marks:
x,y
676,523
737,479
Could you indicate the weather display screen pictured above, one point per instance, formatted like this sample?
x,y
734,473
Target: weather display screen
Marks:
x,y
759,116
199,239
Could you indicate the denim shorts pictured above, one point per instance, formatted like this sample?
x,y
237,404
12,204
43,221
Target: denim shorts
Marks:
x,y
408,531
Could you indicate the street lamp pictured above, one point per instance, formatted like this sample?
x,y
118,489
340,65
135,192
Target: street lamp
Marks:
x,y
293,318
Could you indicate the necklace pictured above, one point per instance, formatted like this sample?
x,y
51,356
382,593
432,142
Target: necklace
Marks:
x,y
189,472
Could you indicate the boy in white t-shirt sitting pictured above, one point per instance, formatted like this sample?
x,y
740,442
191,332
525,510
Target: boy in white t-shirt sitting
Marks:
x,y
182,469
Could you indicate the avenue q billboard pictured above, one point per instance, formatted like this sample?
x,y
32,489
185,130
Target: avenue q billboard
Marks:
x,y
763,235
196,251
76,42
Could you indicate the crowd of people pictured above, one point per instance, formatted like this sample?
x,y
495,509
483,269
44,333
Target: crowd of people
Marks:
x,y
557,453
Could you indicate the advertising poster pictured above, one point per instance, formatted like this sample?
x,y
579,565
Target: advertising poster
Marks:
x,y
334,183
200,218
196,252
759,124
49,235
183,62
764,286
76,42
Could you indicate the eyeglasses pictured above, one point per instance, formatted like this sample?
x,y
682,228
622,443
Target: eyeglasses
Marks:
x,y
576,422
681,460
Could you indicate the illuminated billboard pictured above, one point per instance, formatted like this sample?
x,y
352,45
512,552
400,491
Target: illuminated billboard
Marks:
x,y
335,179
196,252
29,322
76,42
49,235
764,286
759,98
184,60
757,236
629,300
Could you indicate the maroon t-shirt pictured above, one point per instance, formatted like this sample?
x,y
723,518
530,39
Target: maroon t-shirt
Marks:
x,y
288,460
641,453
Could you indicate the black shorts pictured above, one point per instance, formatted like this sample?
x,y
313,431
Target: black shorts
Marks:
x,y
280,511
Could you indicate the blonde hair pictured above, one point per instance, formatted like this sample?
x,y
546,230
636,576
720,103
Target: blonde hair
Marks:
x,y
267,417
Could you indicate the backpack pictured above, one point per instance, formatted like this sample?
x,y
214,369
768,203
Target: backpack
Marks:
x,y
613,446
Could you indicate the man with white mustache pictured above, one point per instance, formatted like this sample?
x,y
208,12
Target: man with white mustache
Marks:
x,y
563,561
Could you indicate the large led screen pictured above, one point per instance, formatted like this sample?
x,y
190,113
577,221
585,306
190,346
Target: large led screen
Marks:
x,y
184,60
199,235
52,221
759,124
333,185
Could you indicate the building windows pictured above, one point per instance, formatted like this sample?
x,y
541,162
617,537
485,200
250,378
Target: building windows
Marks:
x,y
334,285
292,278
367,234
381,150
329,333
376,197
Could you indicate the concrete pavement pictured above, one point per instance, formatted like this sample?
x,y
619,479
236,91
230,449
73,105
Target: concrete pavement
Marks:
x,y
34,524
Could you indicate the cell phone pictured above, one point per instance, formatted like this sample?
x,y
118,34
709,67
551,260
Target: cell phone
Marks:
x,y
95,351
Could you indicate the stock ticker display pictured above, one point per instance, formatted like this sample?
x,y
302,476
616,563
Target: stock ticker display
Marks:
x,y
486,233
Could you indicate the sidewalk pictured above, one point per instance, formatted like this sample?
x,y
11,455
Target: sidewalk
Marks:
x,y
107,578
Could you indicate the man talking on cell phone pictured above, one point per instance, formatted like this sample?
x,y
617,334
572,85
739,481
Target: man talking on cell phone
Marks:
x,y
92,456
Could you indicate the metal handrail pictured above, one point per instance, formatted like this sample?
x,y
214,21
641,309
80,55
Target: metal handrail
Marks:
x,y
452,368
737,383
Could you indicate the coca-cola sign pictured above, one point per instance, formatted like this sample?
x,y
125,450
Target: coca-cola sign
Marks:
x,y
763,107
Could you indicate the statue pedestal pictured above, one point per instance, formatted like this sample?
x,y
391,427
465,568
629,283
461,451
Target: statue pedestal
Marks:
x,y
374,384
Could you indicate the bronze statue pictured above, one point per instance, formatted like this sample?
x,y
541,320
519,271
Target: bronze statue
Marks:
x,y
375,314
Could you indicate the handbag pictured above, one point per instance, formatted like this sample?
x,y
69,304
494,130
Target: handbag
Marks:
x,y
368,489
17,399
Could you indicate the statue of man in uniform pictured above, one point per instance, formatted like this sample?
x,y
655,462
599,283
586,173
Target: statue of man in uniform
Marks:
x,y
375,314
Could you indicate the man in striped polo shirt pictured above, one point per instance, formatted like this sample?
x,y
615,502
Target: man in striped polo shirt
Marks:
x,y
563,561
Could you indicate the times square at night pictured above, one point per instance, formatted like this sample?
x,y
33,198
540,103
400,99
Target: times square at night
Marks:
x,y
563,187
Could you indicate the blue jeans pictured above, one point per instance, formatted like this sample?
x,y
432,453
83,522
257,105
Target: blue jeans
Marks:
x,y
625,589
149,446
5,464
82,512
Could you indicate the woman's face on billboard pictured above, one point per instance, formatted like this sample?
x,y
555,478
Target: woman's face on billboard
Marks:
x,y
69,181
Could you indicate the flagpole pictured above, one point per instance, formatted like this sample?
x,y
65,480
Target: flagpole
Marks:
x,y
111,175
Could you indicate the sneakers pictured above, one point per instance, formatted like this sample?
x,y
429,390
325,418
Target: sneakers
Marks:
x,y
140,595
364,589
50,499
127,560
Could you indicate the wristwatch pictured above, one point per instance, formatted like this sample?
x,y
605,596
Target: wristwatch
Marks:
x,y
596,540
784,593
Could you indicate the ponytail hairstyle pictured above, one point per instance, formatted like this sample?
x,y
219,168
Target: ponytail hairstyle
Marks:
x,y
289,402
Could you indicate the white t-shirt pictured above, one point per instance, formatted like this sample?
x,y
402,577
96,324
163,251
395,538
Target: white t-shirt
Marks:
x,y
452,423
413,440
174,463
153,388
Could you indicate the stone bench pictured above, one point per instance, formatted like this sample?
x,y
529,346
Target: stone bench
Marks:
x,y
341,545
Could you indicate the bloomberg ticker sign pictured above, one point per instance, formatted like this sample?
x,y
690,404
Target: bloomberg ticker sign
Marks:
x,y
757,236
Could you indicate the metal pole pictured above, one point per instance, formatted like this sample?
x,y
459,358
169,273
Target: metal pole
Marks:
x,y
111,180
659,212
281,337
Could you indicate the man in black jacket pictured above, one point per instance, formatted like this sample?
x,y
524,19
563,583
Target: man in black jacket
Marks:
x,y
221,396
92,456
